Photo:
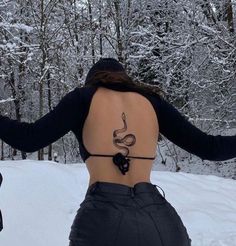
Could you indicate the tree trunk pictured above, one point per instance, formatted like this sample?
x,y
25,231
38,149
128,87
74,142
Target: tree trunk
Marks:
x,y
118,30
2,152
91,30
43,63
22,69
208,12
50,108
100,28
229,15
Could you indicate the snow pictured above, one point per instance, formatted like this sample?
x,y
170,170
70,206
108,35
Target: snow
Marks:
x,y
39,200
7,100
21,26
207,28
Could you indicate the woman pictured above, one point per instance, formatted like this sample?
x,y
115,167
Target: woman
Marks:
x,y
119,122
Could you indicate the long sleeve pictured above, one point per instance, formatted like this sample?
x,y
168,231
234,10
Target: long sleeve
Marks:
x,y
30,137
175,127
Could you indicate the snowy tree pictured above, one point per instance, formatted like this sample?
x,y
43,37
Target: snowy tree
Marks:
x,y
187,48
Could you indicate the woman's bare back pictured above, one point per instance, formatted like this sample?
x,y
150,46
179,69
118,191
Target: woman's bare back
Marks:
x,y
115,113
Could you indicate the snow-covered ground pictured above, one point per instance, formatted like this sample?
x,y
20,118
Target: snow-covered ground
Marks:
x,y
39,201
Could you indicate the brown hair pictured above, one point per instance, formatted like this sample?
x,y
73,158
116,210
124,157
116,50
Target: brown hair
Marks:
x,y
111,77
108,77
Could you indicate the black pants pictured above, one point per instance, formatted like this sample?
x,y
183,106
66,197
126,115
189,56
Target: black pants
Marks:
x,y
118,215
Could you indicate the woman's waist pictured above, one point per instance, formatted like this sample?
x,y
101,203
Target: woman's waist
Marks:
x,y
142,193
128,181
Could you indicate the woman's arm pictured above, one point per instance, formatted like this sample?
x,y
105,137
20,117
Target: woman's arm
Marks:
x,y
30,137
175,127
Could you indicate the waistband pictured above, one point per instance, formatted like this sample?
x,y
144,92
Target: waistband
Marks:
x,y
140,187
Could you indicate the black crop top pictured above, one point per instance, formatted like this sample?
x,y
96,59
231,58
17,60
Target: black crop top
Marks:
x,y
72,110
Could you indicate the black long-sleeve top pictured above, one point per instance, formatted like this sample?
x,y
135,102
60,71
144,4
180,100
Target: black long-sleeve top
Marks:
x,y
71,112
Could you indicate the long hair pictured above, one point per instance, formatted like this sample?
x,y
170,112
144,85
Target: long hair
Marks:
x,y
114,77
108,77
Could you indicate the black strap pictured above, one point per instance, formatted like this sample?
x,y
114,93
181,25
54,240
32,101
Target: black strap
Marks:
x,y
138,157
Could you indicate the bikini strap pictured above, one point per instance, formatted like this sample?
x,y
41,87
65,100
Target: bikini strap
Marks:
x,y
138,157
122,161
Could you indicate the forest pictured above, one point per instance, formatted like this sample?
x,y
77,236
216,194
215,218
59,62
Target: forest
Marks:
x,y
187,48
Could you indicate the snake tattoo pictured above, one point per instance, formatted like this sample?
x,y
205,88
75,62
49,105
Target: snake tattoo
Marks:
x,y
120,159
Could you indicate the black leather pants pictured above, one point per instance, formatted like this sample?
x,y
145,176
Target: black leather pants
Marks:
x,y
118,215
